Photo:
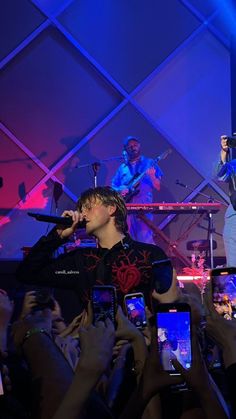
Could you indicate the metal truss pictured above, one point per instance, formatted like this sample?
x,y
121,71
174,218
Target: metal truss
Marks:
x,y
51,19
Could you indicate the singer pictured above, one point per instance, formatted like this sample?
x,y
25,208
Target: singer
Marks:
x,y
118,259
135,180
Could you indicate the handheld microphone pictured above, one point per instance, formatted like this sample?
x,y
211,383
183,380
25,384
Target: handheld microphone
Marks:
x,y
180,184
66,221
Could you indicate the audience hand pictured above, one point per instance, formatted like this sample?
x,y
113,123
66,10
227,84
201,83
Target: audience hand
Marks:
x,y
39,319
197,376
84,319
125,329
221,330
172,295
154,378
96,343
6,310
119,346
56,312
28,303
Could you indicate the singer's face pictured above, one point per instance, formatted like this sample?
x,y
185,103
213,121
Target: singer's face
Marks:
x,y
133,149
97,216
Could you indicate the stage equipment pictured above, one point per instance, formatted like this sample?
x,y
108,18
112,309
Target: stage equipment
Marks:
x,y
198,208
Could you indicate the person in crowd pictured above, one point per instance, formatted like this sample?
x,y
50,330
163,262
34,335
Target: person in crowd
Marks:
x,y
61,334
226,172
6,311
118,259
52,375
99,386
223,332
14,402
135,180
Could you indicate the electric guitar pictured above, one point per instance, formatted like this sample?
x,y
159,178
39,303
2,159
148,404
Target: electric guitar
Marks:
x,y
134,182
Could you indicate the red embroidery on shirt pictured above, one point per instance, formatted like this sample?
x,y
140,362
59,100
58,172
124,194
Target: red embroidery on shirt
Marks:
x,y
129,270
93,261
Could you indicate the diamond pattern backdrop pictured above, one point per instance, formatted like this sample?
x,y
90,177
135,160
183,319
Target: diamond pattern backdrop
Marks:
x,y
78,76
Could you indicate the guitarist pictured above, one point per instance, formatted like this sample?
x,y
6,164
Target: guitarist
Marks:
x,y
135,180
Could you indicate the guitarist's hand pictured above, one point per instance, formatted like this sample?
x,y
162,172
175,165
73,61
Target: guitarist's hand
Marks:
x,y
156,182
151,172
124,192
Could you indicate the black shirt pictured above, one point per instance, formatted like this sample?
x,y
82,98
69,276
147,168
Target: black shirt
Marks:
x,y
127,266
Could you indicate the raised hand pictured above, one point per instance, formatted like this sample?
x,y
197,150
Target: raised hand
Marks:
x,y
96,343
221,330
28,303
38,319
154,378
173,293
197,376
125,329
6,309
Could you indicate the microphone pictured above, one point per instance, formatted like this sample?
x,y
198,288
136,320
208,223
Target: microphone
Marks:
x,y
125,156
180,184
66,221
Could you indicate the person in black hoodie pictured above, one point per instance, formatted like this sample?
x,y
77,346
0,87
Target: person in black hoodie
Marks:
x,y
117,260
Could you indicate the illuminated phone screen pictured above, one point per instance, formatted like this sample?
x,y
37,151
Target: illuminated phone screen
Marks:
x,y
104,301
1,385
135,306
224,294
174,338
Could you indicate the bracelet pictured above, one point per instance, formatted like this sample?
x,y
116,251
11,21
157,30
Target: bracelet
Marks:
x,y
34,331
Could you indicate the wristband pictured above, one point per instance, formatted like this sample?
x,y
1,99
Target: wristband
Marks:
x,y
34,331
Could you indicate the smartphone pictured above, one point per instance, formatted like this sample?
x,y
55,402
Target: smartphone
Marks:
x,y
135,309
103,303
1,382
174,335
223,282
162,273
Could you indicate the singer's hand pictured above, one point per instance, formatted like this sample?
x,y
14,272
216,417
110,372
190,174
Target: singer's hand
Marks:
x,y
64,231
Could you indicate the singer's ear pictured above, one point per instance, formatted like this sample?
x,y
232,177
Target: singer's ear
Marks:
x,y
112,210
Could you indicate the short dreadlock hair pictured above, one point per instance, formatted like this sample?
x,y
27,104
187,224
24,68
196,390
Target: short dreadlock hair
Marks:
x,y
107,196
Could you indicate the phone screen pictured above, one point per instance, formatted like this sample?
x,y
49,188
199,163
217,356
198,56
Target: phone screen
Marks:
x,y
224,292
1,385
174,336
104,303
135,307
